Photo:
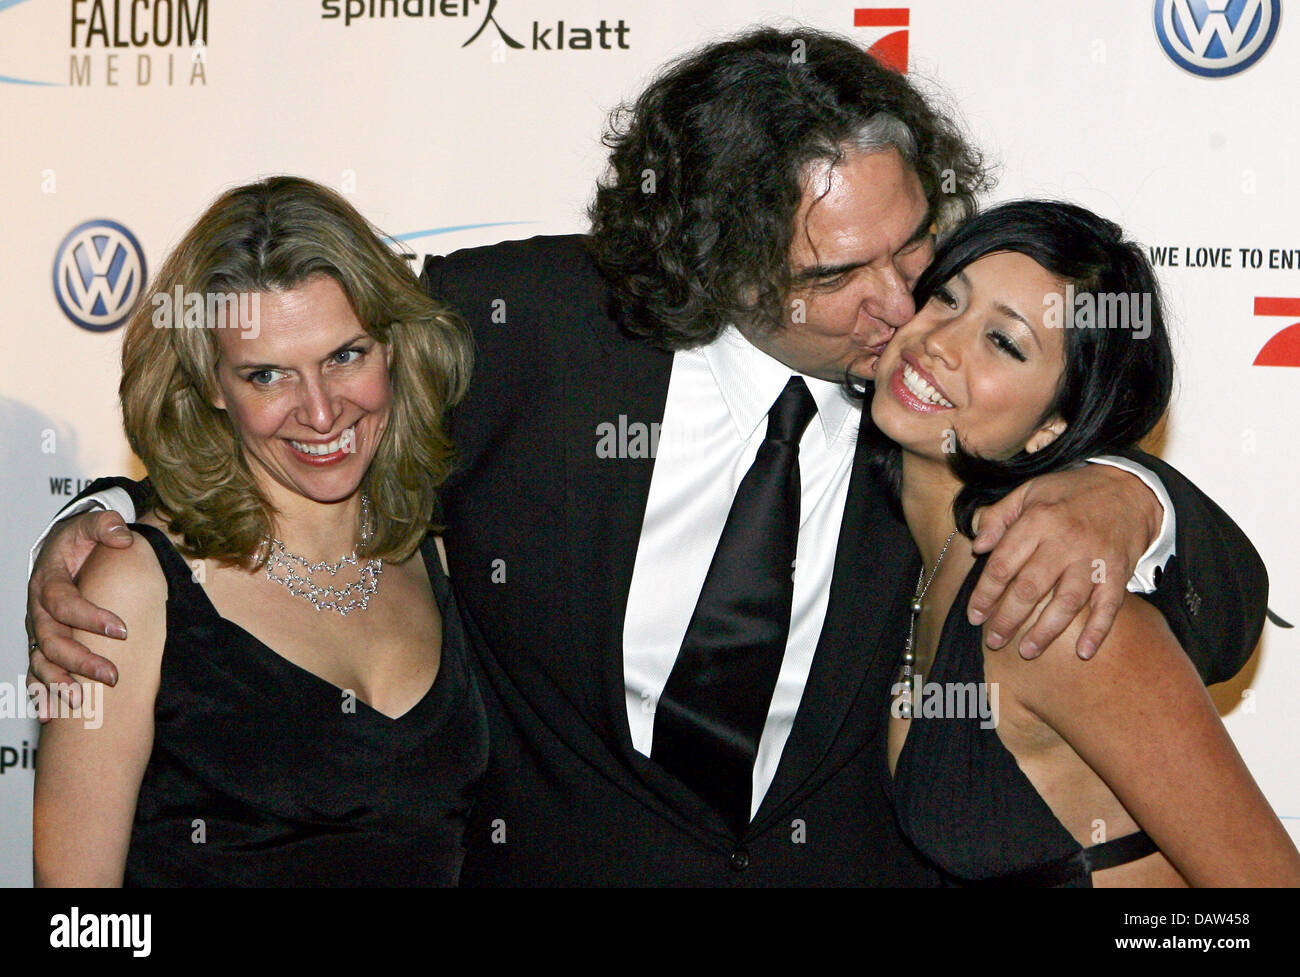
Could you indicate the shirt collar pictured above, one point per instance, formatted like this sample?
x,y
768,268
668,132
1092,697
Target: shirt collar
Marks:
x,y
750,381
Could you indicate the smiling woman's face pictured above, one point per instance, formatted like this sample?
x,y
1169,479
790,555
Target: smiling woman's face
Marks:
x,y
976,360
307,390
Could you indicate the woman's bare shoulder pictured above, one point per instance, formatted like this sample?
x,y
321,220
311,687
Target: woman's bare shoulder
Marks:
x,y
130,583
1139,648
127,579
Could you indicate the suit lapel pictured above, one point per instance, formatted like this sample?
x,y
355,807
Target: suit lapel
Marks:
x,y
610,386
620,387
874,560
615,394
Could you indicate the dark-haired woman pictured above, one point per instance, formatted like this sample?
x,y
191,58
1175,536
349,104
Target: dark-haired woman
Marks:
x,y
1057,772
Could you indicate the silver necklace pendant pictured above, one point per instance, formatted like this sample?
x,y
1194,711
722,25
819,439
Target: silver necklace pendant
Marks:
x,y
908,663
282,566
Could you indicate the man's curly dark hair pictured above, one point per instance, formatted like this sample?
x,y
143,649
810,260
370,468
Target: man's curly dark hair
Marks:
x,y
691,225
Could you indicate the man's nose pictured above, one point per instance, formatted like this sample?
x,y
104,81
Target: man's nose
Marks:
x,y
891,299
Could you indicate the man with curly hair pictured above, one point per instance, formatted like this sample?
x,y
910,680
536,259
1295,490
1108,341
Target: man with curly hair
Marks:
x,y
659,430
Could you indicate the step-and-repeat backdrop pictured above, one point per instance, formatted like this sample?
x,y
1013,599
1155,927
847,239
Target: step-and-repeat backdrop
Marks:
x,y
453,123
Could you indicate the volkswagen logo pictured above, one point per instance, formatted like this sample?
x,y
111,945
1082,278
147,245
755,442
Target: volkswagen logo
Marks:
x,y
1216,38
99,273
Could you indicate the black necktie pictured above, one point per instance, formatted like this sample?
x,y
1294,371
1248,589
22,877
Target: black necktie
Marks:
x,y
711,715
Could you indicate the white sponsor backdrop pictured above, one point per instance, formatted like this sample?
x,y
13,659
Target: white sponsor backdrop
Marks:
x,y
116,120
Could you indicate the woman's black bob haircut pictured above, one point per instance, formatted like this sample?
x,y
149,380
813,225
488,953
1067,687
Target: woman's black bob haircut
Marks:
x,y
1119,367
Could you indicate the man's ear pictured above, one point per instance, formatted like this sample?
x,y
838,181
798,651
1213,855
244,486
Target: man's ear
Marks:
x,y
1045,435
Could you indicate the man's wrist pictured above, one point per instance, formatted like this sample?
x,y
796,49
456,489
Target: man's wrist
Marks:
x,y
1161,549
119,500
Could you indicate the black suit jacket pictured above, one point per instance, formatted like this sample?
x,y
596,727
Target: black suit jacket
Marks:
x,y
541,537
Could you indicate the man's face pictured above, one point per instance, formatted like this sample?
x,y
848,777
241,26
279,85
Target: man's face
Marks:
x,y
862,238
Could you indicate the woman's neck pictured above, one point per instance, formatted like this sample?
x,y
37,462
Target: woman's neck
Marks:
x,y
316,531
928,490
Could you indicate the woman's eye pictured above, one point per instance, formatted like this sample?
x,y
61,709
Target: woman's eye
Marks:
x,y
1007,345
345,356
262,377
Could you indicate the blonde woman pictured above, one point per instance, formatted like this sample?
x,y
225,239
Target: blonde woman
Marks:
x,y
294,703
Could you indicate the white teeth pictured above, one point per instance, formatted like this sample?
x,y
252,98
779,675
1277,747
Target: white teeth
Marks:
x,y
913,381
346,438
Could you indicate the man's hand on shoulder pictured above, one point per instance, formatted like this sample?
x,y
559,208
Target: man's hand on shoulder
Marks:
x,y
1076,535
55,606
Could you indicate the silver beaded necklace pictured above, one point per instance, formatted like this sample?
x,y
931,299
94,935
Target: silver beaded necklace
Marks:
x,y
354,597
909,650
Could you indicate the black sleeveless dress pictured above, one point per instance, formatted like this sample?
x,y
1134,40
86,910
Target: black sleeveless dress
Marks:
x,y
261,776
961,798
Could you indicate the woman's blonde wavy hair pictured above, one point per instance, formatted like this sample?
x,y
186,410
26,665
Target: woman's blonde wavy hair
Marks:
x,y
274,235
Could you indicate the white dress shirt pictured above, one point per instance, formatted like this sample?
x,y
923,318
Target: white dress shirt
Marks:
x,y
714,421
